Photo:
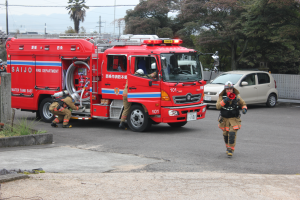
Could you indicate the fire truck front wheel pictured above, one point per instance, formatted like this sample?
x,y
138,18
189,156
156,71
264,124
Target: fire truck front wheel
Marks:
x,y
45,114
138,120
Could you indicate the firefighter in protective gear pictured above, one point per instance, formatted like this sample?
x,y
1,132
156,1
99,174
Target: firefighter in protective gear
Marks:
x,y
127,104
229,103
62,107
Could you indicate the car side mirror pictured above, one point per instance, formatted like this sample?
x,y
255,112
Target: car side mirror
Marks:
x,y
244,83
150,83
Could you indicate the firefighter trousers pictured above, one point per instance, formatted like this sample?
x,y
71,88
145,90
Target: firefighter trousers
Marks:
x,y
63,114
127,106
230,126
126,110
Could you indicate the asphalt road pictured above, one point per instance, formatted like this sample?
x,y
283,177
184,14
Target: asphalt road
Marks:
x,y
268,142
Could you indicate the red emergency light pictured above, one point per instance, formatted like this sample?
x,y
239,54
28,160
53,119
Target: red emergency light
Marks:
x,y
177,41
152,41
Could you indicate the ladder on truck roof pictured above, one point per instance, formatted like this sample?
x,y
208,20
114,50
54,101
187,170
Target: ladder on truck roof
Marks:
x,y
101,48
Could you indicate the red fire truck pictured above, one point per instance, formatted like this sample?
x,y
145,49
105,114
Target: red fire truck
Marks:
x,y
97,73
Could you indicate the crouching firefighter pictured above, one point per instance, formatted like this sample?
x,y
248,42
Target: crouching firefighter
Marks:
x,y
62,107
229,103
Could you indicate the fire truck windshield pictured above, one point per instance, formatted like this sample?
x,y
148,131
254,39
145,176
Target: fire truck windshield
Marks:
x,y
180,67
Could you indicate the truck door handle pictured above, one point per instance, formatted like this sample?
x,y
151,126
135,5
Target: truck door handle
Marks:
x,y
132,88
107,84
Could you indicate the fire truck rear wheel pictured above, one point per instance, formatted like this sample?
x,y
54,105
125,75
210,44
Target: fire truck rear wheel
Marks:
x,y
45,114
138,120
177,124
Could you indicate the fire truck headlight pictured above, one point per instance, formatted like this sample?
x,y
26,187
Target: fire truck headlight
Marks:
x,y
204,109
173,113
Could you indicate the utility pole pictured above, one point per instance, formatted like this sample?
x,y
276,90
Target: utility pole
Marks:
x,y
114,17
6,18
119,24
100,22
45,29
99,25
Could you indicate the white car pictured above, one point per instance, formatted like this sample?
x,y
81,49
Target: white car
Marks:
x,y
255,87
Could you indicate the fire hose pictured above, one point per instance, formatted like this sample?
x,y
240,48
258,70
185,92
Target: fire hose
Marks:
x,y
70,83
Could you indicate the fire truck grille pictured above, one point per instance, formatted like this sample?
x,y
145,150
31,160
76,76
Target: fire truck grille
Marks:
x,y
189,98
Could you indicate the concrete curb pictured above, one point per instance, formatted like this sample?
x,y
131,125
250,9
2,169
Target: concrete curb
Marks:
x,y
12,177
26,140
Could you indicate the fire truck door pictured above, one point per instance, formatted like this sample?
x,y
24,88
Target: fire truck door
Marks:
x,y
114,76
48,72
22,81
144,89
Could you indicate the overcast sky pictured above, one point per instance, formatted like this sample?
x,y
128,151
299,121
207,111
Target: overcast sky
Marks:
x,y
57,18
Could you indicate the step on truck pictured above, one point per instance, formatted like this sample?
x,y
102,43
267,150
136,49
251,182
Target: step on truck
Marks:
x,y
98,73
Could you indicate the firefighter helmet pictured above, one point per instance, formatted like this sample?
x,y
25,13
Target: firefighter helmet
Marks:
x,y
140,71
228,84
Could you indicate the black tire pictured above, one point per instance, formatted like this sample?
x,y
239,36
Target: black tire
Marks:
x,y
45,114
272,100
138,120
177,124
37,115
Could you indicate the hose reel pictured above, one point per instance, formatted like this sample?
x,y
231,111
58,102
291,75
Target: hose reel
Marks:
x,y
70,77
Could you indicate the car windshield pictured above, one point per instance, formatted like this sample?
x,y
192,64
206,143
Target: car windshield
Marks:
x,y
223,78
180,67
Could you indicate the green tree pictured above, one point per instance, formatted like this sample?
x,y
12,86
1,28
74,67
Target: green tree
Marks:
x,y
82,29
274,28
148,16
77,12
165,32
217,24
247,32
70,30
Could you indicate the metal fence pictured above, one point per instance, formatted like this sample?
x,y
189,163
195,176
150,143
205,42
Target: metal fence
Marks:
x,y
288,85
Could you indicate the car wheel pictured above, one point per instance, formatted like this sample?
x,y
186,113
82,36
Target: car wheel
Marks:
x,y
45,114
138,120
272,100
177,124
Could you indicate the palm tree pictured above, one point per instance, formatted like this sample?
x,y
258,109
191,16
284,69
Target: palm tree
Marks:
x,y
77,10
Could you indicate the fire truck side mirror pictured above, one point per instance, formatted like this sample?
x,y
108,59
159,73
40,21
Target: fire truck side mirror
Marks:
x,y
150,83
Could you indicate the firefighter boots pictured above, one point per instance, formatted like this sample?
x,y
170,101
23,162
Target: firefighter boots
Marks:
x,y
229,154
54,125
67,126
122,125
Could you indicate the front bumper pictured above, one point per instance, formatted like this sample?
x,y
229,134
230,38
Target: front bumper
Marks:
x,y
182,110
210,103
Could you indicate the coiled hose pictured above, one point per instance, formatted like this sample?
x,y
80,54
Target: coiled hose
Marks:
x,y
70,77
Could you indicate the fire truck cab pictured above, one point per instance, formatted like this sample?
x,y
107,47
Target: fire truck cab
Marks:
x,y
98,73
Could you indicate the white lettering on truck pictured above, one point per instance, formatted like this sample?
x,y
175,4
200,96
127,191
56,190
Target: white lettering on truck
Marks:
x,y
29,69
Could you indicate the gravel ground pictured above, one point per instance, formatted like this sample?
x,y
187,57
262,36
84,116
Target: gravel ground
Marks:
x,y
154,186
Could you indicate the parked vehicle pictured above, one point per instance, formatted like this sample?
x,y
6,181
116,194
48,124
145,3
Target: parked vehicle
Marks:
x,y
98,73
255,87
